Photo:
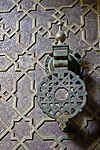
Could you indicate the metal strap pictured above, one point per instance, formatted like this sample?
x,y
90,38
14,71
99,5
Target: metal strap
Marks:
x,y
60,56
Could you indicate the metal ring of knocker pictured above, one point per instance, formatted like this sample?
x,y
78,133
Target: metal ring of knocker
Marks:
x,y
62,94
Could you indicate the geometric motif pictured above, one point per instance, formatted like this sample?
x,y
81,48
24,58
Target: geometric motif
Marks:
x,y
27,29
75,97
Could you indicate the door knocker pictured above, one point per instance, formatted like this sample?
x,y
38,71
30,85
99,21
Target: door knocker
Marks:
x,y
62,94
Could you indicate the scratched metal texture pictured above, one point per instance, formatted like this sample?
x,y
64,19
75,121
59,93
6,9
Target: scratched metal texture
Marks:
x,y
27,29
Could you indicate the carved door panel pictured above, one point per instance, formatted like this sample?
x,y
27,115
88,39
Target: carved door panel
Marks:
x,y
27,30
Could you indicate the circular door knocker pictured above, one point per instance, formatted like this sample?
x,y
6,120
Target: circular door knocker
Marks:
x,y
62,94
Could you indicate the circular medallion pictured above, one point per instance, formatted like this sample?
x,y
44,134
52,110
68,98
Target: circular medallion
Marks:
x,y
61,92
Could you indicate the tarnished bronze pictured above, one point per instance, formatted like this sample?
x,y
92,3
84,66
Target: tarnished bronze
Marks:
x,y
60,36
62,94
27,29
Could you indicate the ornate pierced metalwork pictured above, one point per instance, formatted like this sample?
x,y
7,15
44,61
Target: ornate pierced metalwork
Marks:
x,y
74,89
26,28
62,81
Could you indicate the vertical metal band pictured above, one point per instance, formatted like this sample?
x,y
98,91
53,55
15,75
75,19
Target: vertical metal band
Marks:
x,y
98,8
60,56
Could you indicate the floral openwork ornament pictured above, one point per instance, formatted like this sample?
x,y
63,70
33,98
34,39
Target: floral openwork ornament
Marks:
x,y
62,94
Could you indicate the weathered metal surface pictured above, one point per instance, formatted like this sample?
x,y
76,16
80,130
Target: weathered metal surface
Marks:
x,y
63,82
71,86
27,29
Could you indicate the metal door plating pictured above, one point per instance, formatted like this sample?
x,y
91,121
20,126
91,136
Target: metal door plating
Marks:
x,y
27,43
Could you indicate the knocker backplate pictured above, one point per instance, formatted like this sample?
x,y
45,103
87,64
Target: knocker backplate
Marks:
x,y
70,85
73,64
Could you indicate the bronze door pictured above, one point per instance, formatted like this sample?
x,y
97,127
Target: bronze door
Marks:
x,y
27,30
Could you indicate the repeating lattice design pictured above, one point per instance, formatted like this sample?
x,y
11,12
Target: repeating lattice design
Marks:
x,y
75,97
27,29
